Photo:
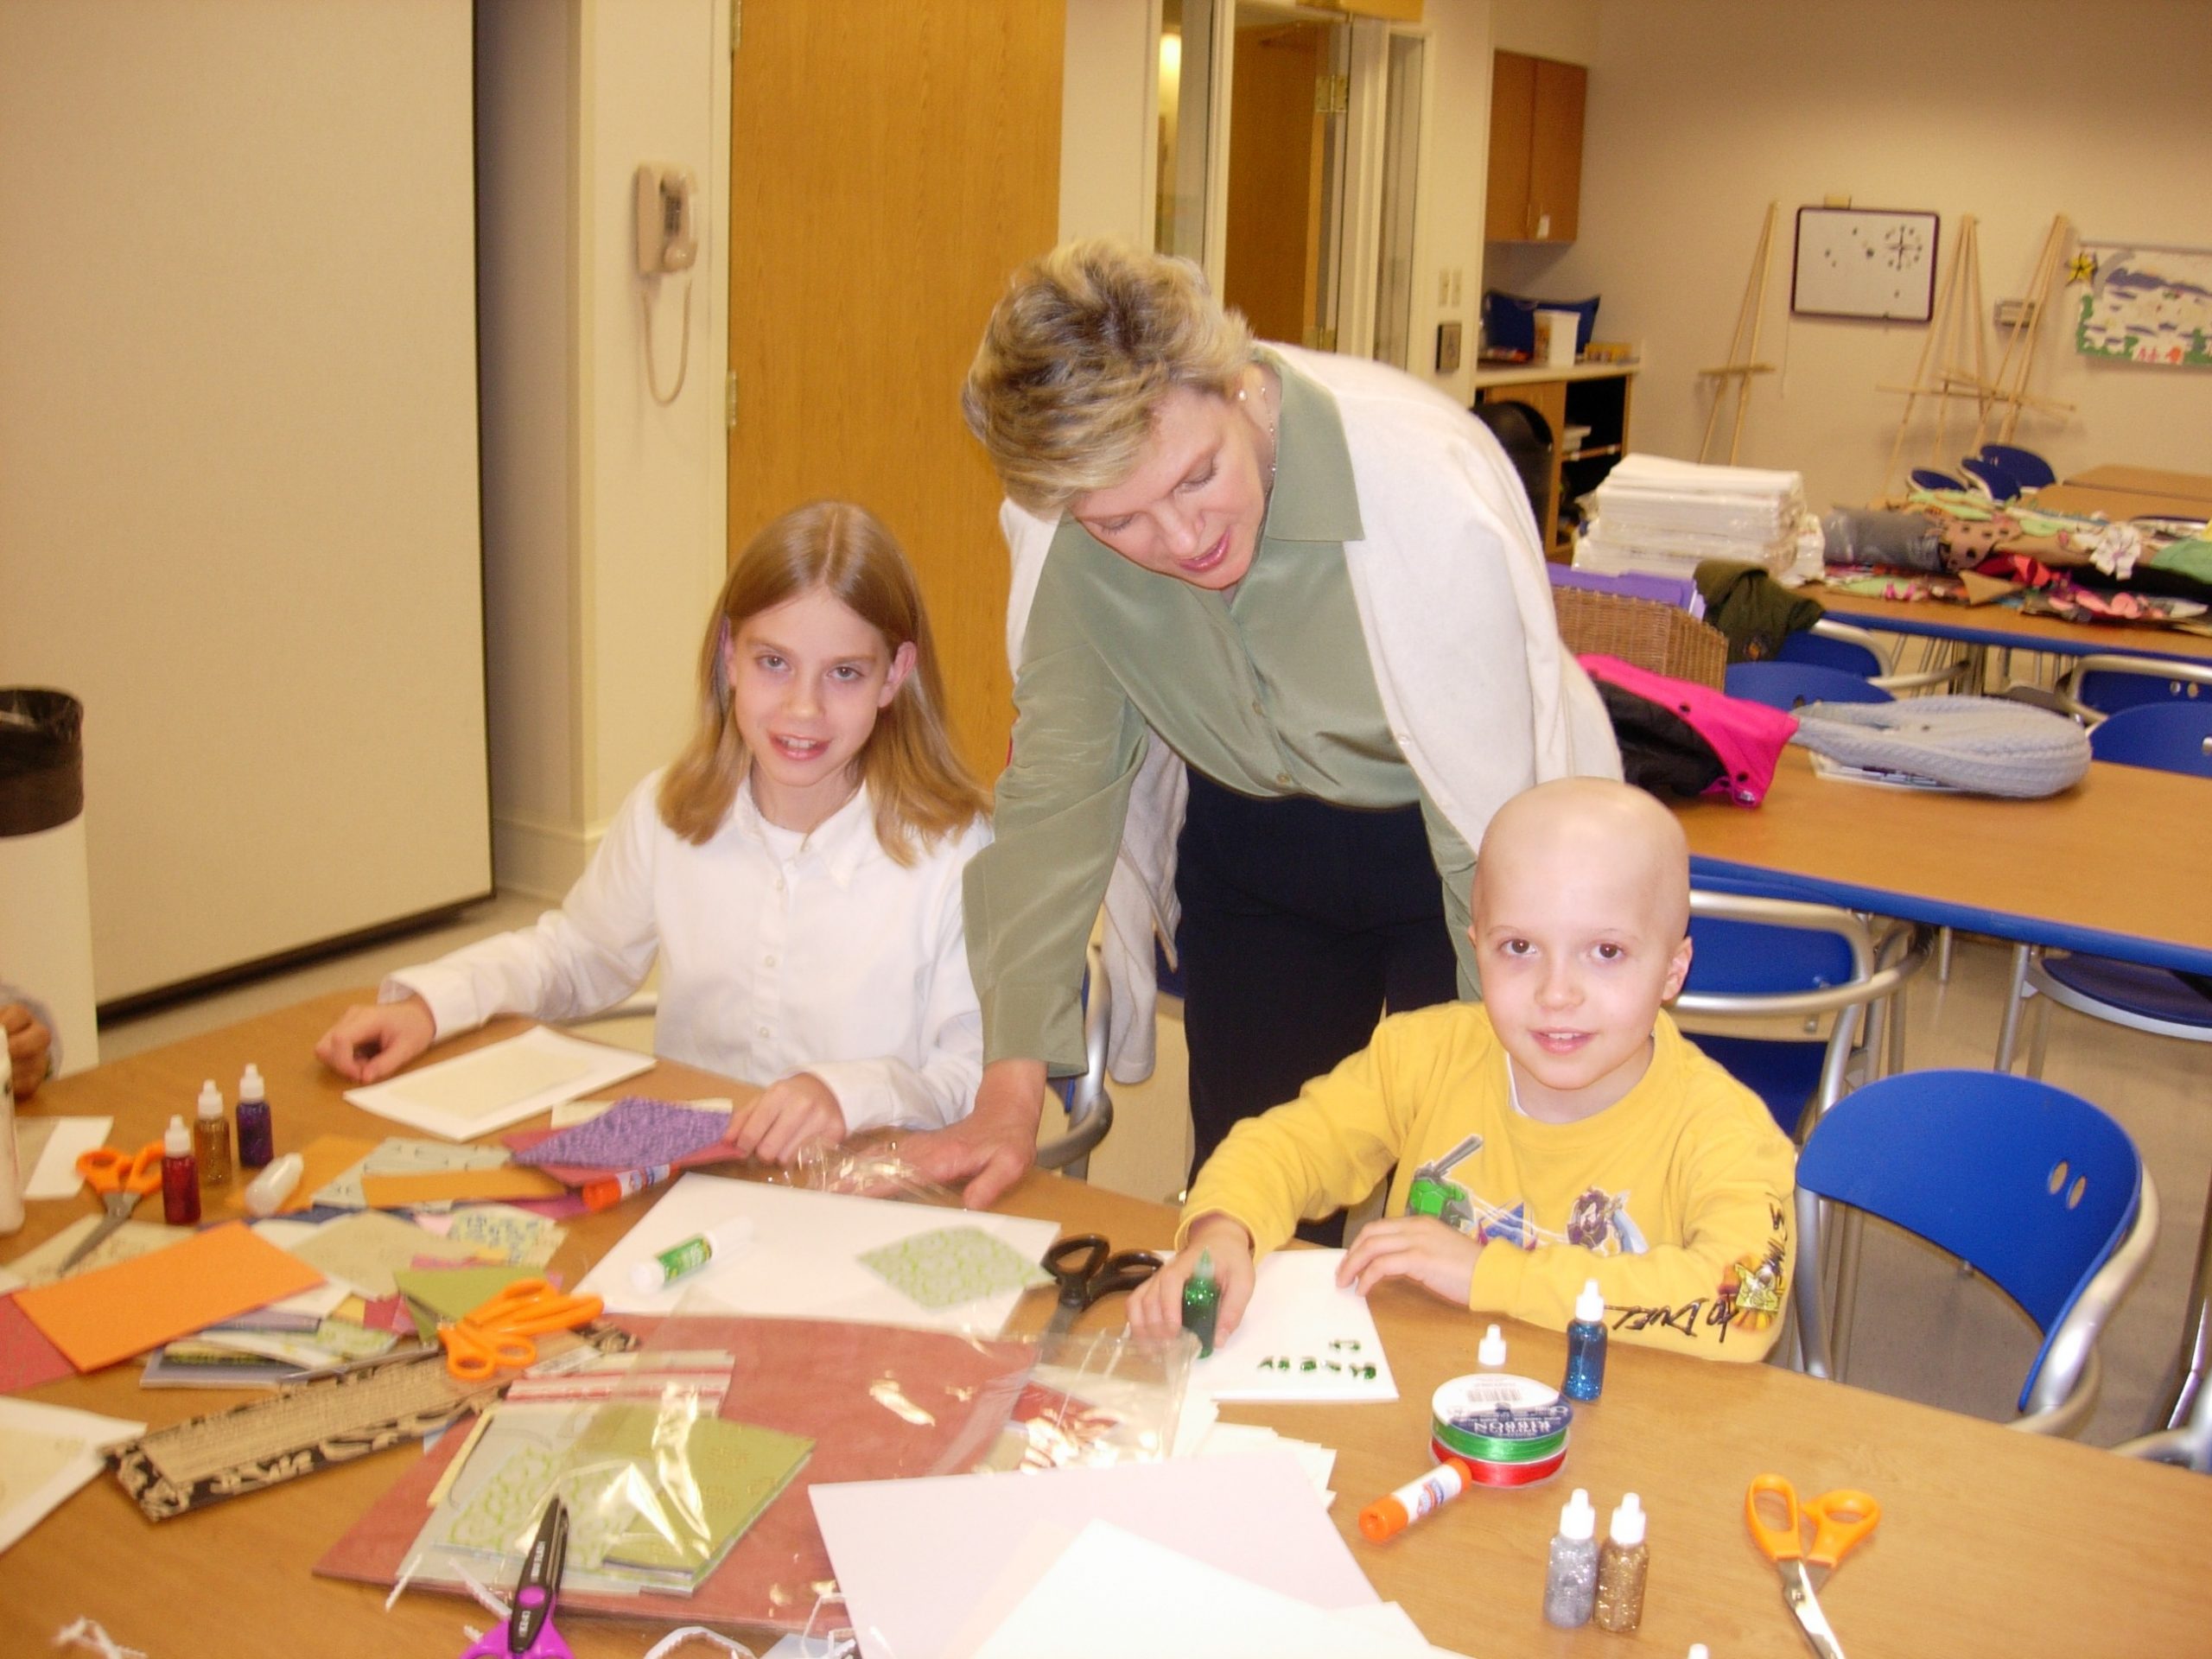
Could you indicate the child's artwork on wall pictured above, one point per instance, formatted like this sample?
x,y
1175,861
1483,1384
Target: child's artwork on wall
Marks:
x,y
2144,305
1865,262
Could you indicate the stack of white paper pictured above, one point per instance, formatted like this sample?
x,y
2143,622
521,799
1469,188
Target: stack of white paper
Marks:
x,y
500,1083
930,1569
1664,516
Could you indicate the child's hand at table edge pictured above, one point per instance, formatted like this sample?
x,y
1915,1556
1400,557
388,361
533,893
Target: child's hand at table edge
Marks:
x,y
1156,1306
371,1042
788,1115
1438,1258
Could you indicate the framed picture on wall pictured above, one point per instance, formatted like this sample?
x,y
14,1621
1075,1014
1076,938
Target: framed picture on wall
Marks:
x,y
1865,262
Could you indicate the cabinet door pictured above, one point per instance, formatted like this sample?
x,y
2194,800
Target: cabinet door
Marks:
x,y
1555,150
1506,217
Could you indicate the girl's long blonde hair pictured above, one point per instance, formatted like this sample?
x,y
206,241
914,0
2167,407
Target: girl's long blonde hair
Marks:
x,y
922,790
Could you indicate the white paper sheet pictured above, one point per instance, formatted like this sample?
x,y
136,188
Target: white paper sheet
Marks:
x,y
46,1453
1297,1314
56,1176
1088,1604
802,1261
492,1087
928,1564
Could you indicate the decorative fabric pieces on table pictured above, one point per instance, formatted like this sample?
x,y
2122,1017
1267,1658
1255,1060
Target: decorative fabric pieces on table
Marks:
x,y
635,1133
1984,744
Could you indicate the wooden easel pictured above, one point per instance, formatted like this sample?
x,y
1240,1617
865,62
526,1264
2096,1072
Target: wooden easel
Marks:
x,y
1742,351
1955,327
2012,371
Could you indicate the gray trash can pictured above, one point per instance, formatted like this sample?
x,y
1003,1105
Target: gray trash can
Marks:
x,y
46,911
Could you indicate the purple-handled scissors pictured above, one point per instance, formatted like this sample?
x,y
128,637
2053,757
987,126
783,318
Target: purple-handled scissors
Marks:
x,y
528,1631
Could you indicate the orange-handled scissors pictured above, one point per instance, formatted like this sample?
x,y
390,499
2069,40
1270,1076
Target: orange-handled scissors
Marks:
x,y
496,1335
121,1181
1841,1520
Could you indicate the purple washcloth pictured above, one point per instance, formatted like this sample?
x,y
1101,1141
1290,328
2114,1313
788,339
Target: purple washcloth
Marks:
x,y
632,1134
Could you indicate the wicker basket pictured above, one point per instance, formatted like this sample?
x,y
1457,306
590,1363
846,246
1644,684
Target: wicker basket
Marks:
x,y
1653,636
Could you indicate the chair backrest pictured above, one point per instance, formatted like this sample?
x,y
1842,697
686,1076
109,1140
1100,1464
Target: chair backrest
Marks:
x,y
1993,475
1089,1108
2110,681
1929,478
1792,685
2165,736
2028,469
2032,1187
1834,648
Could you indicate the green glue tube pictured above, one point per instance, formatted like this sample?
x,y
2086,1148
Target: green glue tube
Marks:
x,y
1202,1303
658,1272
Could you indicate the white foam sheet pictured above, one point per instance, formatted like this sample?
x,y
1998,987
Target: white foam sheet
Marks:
x,y
56,1176
492,1087
48,1451
1297,1312
930,1567
1111,1593
802,1261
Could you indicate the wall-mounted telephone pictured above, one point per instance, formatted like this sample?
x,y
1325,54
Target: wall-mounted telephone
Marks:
x,y
666,241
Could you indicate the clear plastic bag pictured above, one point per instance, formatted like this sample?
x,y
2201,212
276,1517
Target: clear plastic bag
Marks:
x,y
1096,1399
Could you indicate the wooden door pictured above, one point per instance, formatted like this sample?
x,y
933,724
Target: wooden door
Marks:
x,y
891,164
1271,268
1555,150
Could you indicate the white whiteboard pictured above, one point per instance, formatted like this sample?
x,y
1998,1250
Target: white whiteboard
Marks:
x,y
1855,262
238,409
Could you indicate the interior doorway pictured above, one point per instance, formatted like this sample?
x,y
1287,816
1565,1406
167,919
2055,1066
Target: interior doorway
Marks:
x,y
1290,92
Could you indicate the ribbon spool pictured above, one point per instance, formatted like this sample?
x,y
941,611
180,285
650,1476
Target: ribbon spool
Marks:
x,y
1503,1474
1481,1449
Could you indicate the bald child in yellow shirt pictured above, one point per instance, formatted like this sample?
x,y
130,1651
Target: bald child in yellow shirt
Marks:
x,y
1561,1130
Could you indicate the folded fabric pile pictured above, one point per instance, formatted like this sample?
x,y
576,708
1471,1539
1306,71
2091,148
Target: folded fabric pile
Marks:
x,y
1663,517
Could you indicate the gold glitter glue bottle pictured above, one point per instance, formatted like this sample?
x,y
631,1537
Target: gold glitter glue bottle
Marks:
x,y
1624,1563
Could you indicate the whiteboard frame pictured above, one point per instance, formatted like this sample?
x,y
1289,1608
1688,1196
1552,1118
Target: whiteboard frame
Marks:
x,y
1834,217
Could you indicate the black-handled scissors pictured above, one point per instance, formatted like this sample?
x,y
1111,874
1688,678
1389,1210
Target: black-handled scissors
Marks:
x,y
1087,1267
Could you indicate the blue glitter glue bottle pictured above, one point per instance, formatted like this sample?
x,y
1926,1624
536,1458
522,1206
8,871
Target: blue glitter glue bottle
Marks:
x,y
1585,1345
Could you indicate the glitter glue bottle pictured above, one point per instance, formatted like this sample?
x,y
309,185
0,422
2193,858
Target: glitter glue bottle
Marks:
x,y
1571,1581
1202,1303
211,1137
1623,1562
257,1137
1585,1345
1490,1352
179,1176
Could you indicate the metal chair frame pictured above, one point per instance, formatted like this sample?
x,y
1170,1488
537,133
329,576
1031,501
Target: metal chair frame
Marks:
x,y
2061,1391
1886,649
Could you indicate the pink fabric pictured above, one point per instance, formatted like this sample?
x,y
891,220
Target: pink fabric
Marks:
x,y
1747,737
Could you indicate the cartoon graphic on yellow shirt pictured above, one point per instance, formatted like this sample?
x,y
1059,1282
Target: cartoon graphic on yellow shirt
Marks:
x,y
1598,1221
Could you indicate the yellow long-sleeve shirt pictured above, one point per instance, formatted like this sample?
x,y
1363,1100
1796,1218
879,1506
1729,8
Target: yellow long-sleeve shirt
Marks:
x,y
1676,1198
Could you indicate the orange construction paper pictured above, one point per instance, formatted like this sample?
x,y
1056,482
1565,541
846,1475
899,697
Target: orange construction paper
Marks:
x,y
451,1185
111,1314
327,1157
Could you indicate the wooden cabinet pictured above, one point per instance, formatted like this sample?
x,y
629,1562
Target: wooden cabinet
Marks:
x,y
1595,396
1536,148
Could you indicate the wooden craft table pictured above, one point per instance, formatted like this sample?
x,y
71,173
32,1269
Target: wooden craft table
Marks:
x,y
2149,481
1992,1542
2062,871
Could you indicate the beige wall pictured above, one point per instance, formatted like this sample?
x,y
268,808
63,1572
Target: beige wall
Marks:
x,y
603,510
1702,111
1105,149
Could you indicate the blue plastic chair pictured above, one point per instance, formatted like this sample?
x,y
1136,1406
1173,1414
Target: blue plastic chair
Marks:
x,y
1827,648
2033,1187
1758,954
1789,685
1929,478
2027,469
1991,475
2107,682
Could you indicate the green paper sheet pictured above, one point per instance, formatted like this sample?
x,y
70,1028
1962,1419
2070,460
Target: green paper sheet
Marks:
x,y
954,1265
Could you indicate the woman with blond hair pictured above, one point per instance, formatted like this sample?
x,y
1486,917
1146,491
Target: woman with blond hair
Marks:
x,y
797,870
1283,642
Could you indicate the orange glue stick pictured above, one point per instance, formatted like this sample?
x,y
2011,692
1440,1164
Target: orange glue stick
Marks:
x,y
1386,1517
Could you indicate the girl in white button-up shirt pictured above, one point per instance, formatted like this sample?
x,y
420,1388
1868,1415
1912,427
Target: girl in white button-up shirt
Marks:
x,y
797,869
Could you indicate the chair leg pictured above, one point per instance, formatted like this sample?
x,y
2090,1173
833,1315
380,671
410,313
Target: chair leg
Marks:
x,y
2039,1019
1852,1224
2180,1399
2008,1034
1945,937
